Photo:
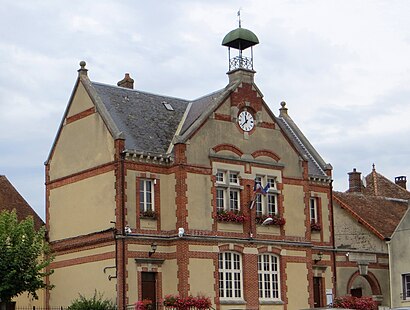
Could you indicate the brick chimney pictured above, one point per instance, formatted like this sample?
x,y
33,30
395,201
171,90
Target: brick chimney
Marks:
x,y
126,82
355,182
401,181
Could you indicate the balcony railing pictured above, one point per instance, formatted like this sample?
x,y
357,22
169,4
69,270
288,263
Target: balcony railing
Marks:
x,y
240,62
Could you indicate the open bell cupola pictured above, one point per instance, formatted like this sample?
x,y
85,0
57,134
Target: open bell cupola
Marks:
x,y
240,39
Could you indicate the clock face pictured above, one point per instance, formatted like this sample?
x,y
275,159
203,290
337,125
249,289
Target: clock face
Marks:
x,y
246,121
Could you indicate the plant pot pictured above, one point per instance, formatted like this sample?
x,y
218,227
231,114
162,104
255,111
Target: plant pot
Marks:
x,y
7,305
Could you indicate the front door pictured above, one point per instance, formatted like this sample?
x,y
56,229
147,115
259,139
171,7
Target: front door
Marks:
x,y
317,292
356,292
148,285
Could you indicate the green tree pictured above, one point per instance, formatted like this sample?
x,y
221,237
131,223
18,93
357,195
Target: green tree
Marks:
x,y
24,256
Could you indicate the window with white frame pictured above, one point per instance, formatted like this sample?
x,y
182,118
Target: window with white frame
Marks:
x,y
406,285
313,206
267,204
227,191
230,275
146,195
268,277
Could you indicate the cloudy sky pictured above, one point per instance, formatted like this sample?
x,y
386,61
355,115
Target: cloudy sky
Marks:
x,y
343,67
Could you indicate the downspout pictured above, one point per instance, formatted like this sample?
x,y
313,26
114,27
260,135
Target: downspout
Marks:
x,y
390,271
333,237
122,195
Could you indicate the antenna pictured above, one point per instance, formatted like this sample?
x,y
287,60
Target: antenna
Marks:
x,y
239,17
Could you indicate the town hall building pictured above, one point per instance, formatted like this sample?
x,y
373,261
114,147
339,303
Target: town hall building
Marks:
x,y
149,195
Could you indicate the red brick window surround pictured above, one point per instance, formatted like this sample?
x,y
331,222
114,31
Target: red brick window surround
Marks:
x,y
228,191
267,205
146,196
230,276
314,213
268,277
313,209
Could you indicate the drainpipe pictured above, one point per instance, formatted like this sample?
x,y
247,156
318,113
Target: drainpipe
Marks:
x,y
333,237
123,259
390,271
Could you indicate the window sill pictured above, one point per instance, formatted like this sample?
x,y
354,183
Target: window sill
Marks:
x,y
232,302
271,302
148,218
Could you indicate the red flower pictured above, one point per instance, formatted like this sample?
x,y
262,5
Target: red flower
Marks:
x,y
183,303
277,220
230,216
145,304
351,302
315,226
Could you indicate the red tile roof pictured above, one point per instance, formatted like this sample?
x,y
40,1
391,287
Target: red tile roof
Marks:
x,y
11,199
378,185
380,215
380,206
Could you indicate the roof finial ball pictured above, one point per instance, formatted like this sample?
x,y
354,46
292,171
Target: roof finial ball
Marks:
x,y
82,70
283,110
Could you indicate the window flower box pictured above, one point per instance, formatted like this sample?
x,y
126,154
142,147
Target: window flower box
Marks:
x,y
230,217
315,226
277,220
149,214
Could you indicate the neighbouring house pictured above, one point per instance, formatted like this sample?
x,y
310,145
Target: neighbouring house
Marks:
x,y
10,200
370,229
149,195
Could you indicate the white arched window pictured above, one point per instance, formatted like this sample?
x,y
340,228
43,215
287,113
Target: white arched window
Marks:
x,y
230,276
268,277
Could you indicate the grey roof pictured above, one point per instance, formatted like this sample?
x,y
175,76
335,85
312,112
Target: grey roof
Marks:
x,y
148,126
146,123
316,165
199,106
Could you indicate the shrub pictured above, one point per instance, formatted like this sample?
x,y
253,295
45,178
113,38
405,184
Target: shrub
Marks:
x,y
351,302
94,303
183,303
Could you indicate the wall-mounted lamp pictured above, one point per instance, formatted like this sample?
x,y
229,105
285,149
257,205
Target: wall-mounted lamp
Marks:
x,y
153,249
319,257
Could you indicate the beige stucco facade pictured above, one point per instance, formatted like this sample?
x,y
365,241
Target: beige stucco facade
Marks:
x,y
399,261
104,239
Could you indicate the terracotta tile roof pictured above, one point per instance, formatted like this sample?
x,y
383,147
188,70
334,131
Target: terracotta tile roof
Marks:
x,y
379,207
378,185
11,199
381,215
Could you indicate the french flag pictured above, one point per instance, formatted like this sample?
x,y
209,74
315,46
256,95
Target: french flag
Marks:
x,y
258,189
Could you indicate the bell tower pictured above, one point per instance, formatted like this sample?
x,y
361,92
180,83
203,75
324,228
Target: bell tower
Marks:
x,y
240,39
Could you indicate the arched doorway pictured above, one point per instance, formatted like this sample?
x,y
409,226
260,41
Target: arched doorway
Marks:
x,y
363,285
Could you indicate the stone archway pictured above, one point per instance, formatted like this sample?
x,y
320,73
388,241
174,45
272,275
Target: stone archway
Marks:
x,y
371,280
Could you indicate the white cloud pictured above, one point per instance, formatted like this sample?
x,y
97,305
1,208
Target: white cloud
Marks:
x,y
341,66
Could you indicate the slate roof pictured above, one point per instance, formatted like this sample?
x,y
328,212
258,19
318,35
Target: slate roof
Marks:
x,y
380,205
316,164
148,126
142,117
201,106
11,199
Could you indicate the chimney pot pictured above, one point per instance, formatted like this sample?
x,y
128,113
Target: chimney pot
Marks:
x,y
401,181
126,82
355,182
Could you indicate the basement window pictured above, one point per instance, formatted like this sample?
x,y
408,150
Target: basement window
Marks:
x,y
168,106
